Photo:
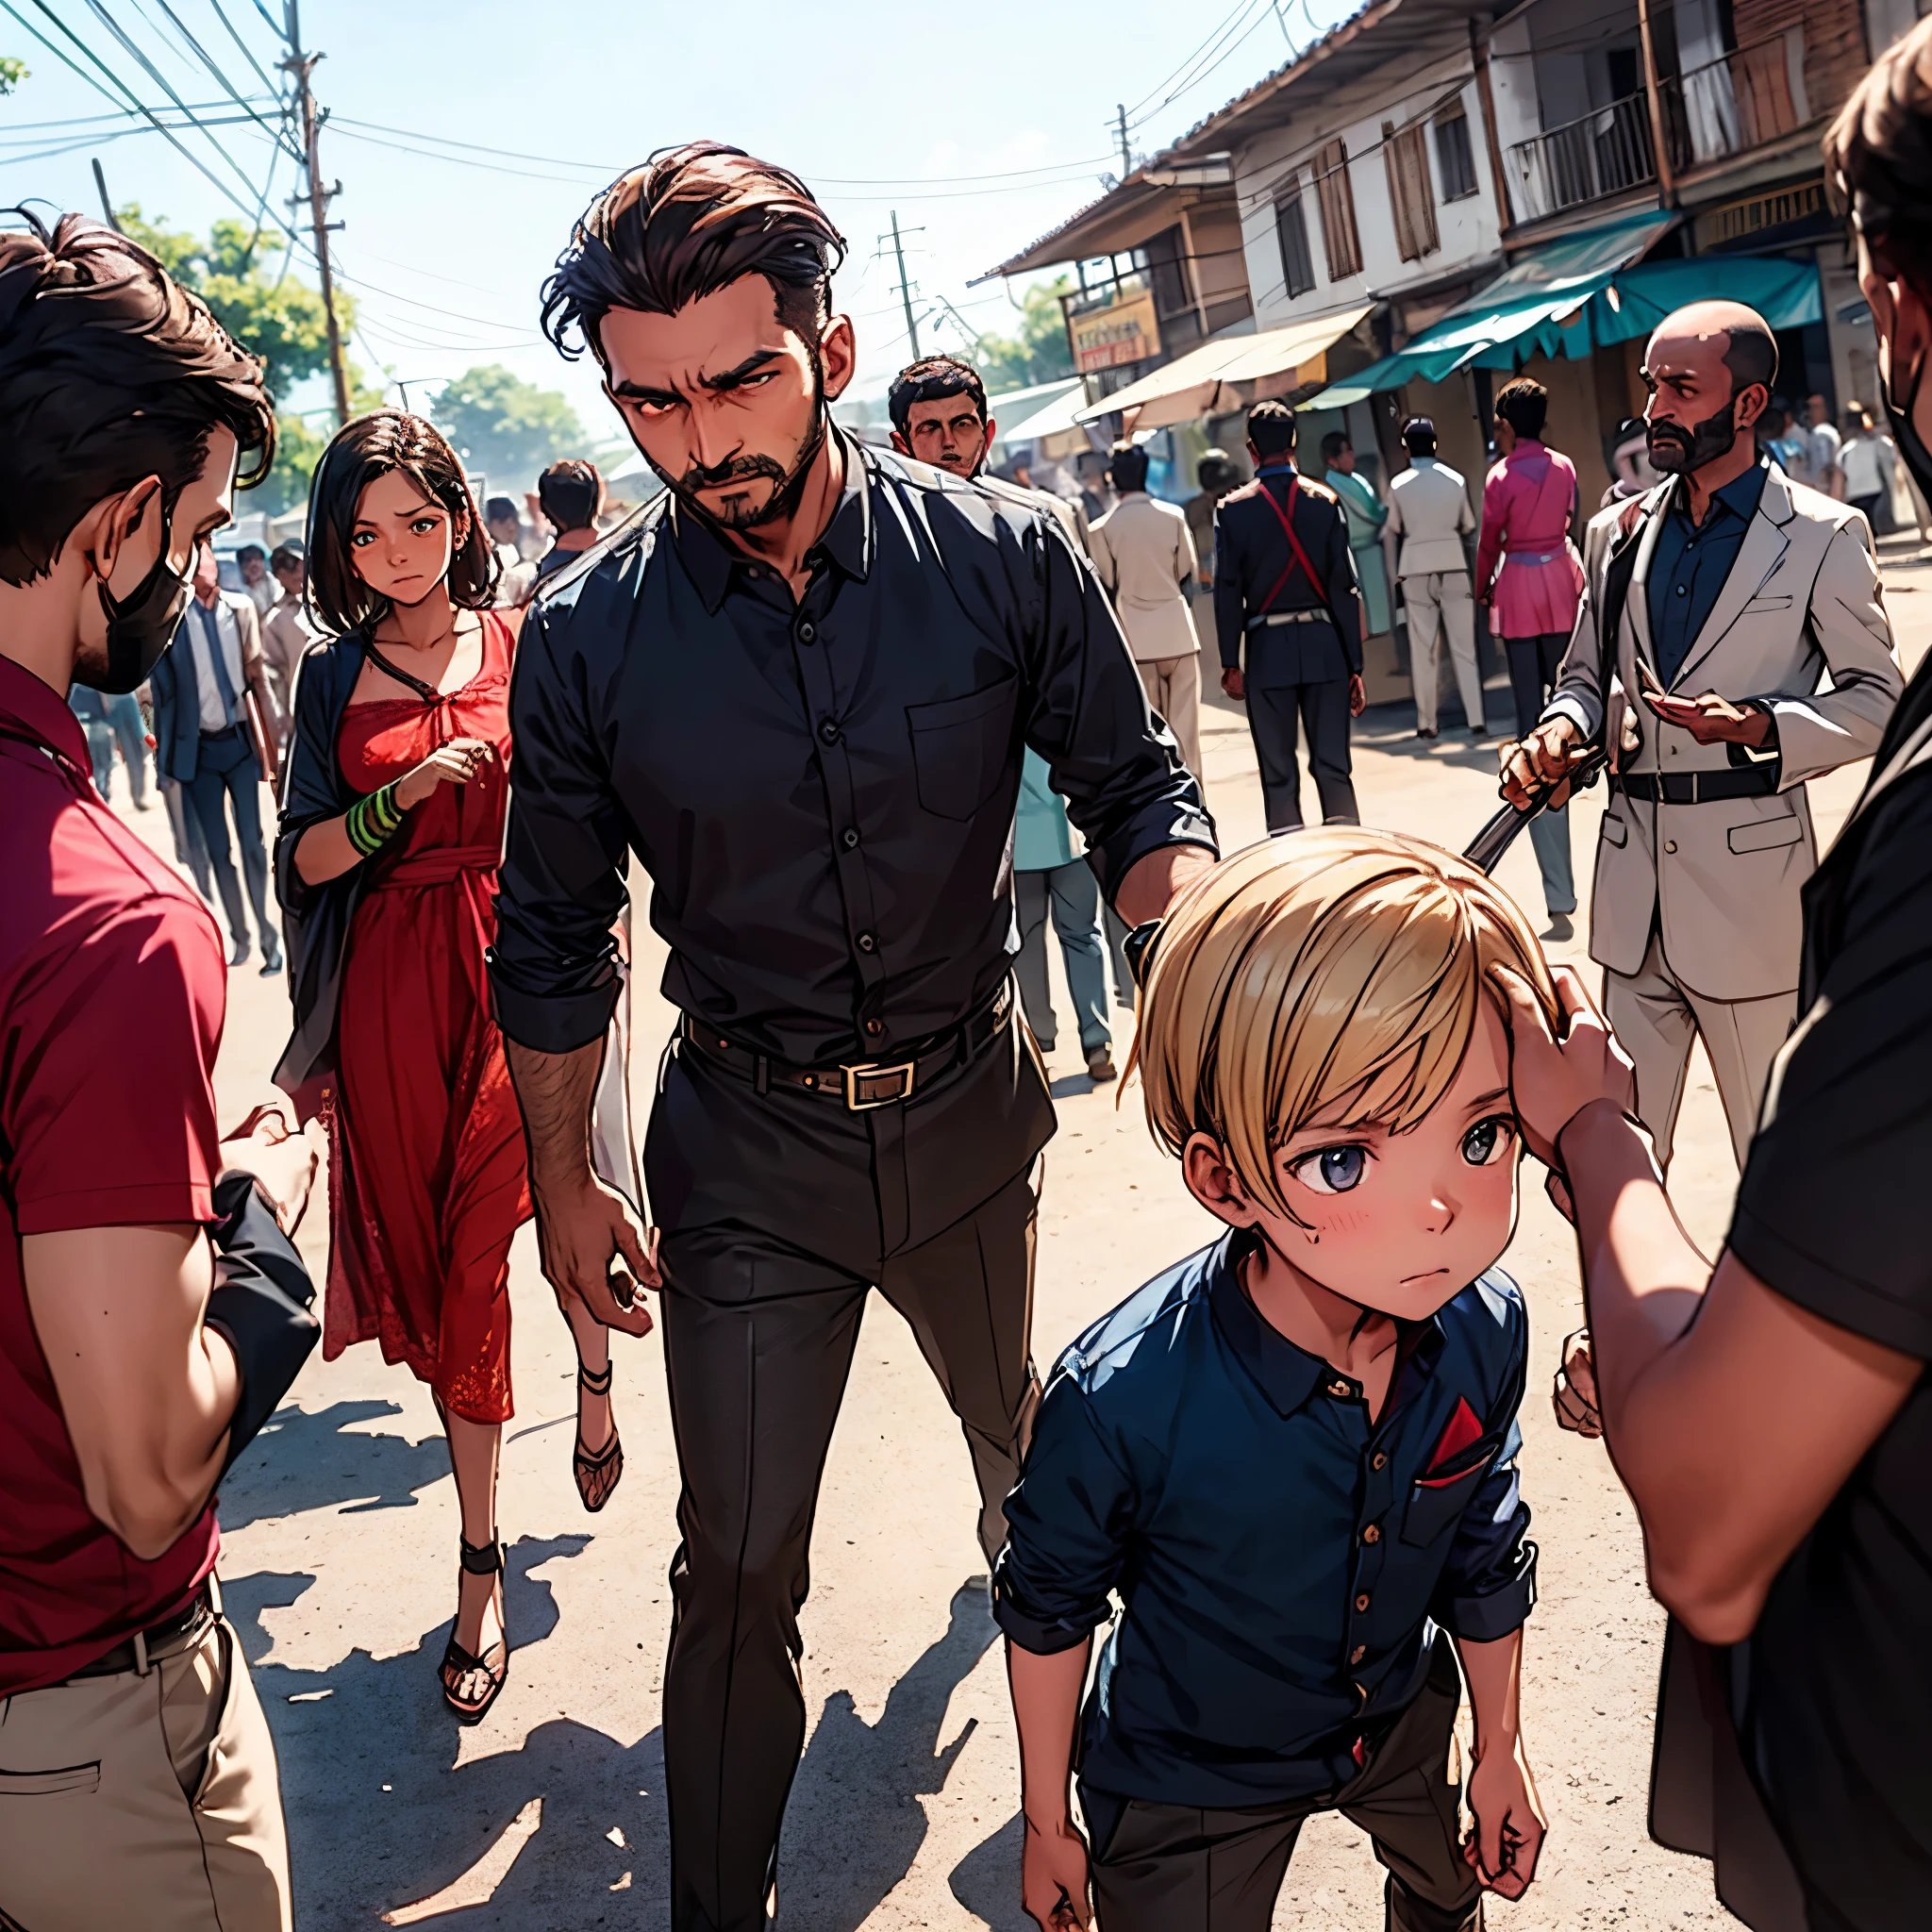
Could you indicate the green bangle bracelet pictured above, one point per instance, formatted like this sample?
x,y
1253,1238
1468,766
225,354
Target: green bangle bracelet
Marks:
x,y
373,820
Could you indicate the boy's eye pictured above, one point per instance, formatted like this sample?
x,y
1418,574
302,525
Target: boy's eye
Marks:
x,y
1333,1171
1489,1141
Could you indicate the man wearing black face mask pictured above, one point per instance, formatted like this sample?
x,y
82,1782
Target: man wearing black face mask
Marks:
x,y
152,1311
1718,601
798,688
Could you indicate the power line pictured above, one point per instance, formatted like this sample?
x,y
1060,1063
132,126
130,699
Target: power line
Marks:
x,y
1213,39
248,52
277,129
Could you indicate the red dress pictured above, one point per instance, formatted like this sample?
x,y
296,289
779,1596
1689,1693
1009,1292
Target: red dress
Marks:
x,y
426,1161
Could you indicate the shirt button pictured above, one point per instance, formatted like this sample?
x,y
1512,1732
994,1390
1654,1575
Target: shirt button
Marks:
x,y
1670,844
829,730
1338,1389
874,1027
1372,1533
1380,1461
1361,1602
866,943
1682,592
807,632
849,837
1357,1655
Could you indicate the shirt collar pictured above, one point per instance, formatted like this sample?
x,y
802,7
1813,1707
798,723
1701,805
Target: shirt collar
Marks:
x,y
847,542
1741,495
39,713
1280,466
1288,1374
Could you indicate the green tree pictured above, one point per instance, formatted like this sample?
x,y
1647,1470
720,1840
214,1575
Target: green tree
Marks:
x,y
1039,352
504,427
237,272
13,72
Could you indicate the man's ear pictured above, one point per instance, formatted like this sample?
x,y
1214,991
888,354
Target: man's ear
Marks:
x,y
1751,403
900,444
838,355
1212,1180
993,429
121,521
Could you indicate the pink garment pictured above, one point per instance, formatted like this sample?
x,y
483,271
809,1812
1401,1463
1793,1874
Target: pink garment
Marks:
x,y
1528,500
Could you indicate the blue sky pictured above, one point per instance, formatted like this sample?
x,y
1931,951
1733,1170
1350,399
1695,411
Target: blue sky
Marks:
x,y
880,107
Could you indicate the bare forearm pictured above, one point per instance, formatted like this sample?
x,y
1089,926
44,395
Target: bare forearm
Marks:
x,y
323,852
1153,883
556,1091
1046,1706
1494,1672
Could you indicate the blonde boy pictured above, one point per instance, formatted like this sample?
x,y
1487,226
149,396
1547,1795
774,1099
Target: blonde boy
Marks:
x,y
1292,1454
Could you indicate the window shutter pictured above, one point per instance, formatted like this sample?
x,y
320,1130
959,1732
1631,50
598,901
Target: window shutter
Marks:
x,y
1292,228
1406,159
1336,199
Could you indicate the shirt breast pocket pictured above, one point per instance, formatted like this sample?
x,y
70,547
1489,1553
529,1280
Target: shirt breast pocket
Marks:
x,y
1439,1499
961,748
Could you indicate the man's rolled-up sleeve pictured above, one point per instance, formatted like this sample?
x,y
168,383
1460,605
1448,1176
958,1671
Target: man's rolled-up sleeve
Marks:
x,y
1120,773
552,970
1067,1521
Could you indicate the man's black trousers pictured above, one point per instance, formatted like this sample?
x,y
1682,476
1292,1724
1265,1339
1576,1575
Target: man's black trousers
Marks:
x,y
1323,709
1174,1867
781,1210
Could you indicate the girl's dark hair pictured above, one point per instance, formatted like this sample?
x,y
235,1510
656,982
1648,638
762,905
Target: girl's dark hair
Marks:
x,y
361,451
1878,157
109,372
690,222
1524,405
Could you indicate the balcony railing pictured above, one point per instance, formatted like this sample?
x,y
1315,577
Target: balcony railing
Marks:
x,y
1736,102
1601,153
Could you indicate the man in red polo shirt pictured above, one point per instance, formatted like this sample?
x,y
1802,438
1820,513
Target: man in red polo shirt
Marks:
x,y
152,1309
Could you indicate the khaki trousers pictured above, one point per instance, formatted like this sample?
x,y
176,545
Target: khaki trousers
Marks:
x,y
1656,1020
144,1800
1174,689
1438,603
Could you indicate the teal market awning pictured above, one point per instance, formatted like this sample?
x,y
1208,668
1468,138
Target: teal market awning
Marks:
x,y
1575,297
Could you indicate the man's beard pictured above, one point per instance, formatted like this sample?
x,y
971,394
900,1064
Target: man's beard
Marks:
x,y
790,484
1674,451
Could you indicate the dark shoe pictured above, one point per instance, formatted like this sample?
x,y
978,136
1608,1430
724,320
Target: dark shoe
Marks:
x,y
273,964
1044,1046
1560,927
240,955
1100,1066
1432,732
1478,730
141,805
457,1663
596,1474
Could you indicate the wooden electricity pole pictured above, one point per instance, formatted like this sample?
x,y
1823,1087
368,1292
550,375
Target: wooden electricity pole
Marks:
x,y
301,65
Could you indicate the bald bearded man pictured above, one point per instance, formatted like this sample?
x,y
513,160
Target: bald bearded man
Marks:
x,y
1717,602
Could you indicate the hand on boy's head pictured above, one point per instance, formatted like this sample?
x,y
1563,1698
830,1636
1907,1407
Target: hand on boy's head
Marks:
x,y
1551,1082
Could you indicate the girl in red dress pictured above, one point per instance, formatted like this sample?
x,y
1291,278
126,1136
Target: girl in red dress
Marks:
x,y
391,832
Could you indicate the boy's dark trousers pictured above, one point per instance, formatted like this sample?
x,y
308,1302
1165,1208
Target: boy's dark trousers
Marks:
x,y
1175,1868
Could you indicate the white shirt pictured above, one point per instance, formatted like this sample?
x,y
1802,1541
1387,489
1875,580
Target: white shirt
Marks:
x,y
1143,553
208,689
264,595
1428,509
1866,459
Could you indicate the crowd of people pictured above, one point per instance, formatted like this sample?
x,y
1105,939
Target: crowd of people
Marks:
x,y
1281,1476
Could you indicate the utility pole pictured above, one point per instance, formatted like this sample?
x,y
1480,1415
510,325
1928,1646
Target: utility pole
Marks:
x,y
1126,153
905,287
301,65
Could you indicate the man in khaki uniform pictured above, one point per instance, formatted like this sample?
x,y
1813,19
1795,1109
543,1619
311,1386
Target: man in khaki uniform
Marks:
x,y
1429,516
1145,557
1727,595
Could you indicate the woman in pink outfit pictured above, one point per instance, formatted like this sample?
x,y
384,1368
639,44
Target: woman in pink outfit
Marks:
x,y
1528,572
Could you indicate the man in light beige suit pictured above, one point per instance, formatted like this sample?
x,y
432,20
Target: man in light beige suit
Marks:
x,y
1429,518
1145,555
1732,594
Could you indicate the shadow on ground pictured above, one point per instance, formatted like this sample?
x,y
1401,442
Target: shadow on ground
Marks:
x,y
382,1818
987,1880
302,1461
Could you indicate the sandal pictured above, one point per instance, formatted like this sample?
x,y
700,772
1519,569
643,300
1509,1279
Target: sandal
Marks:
x,y
596,1474
459,1664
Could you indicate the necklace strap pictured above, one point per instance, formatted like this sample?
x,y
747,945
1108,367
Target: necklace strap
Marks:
x,y
427,692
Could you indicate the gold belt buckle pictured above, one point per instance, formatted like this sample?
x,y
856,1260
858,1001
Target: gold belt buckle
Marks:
x,y
873,1069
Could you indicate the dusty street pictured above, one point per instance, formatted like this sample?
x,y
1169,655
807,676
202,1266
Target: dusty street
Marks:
x,y
340,1532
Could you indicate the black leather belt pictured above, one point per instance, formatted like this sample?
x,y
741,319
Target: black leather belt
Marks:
x,y
1699,787
866,1084
132,1653
227,731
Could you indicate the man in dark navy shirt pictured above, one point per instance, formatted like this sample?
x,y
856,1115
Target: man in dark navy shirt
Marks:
x,y
1292,1455
800,691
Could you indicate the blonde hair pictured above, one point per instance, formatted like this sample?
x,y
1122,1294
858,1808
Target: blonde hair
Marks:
x,y
1337,968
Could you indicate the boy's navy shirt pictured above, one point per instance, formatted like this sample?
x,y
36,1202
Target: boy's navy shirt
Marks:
x,y
1282,1561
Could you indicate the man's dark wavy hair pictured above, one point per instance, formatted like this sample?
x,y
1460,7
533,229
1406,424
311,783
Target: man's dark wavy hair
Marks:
x,y
570,493
1879,158
358,454
932,380
690,222
109,372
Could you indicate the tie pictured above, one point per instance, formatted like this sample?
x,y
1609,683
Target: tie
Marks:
x,y
219,659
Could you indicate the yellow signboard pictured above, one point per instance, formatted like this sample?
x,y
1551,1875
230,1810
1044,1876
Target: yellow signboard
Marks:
x,y
1127,330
